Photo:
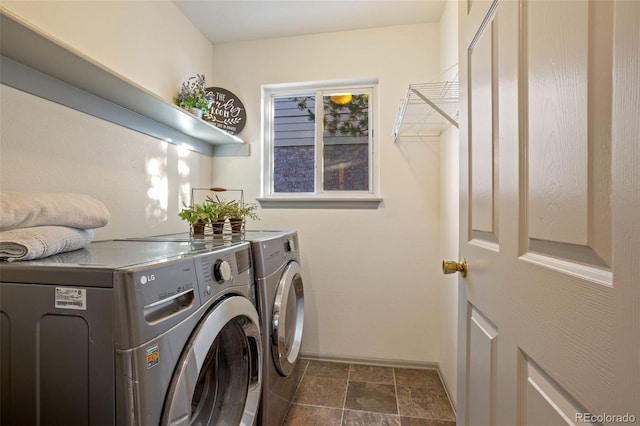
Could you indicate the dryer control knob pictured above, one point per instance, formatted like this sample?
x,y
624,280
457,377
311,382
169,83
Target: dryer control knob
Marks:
x,y
291,245
222,271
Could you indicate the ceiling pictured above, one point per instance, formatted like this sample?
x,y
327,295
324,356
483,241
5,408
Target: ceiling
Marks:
x,y
225,21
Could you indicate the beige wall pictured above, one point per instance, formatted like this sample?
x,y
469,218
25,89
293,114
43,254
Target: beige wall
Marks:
x,y
372,276
47,147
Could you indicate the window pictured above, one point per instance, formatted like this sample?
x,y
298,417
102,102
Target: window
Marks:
x,y
319,142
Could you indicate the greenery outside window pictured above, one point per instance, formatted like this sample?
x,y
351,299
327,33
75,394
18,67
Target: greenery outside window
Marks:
x,y
319,144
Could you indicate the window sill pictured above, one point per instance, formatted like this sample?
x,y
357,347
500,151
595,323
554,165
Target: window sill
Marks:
x,y
319,203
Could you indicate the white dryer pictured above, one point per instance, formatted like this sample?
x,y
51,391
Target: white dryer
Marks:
x,y
131,333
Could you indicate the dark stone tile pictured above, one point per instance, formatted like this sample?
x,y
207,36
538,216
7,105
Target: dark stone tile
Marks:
x,y
415,421
380,398
334,370
430,403
298,371
415,377
368,418
302,364
306,415
371,374
322,391
369,396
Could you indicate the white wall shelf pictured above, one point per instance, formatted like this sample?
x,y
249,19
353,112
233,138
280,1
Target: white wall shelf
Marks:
x,y
426,111
35,63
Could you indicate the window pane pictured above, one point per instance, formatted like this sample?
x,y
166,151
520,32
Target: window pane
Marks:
x,y
294,144
346,142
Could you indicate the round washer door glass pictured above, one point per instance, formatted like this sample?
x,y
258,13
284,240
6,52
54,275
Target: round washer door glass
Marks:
x,y
288,319
218,377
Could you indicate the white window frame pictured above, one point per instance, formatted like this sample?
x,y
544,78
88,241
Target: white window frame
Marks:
x,y
319,198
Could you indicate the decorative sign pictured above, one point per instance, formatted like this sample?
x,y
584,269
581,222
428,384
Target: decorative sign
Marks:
x,y
226,111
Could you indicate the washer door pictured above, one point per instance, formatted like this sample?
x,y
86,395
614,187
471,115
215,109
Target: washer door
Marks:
x,y
218,379
288,319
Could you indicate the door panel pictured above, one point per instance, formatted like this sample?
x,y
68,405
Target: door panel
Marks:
x,y
554,49
482,94
483,338
544,401
547,315
565,53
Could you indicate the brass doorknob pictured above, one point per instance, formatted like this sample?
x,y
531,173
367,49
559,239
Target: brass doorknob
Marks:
x,y
451,267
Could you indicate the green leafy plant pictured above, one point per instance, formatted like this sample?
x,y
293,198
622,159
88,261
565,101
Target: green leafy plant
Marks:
x,y
204,213
232,209
213,210
247,211
193,94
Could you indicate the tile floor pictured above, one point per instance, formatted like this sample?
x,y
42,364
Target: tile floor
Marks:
x,y
335,394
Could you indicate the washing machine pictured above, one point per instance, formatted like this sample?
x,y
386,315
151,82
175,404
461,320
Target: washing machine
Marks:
x,y
280,297
131,333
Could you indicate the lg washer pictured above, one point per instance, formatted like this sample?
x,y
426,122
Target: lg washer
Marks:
x,y
280,297
131,332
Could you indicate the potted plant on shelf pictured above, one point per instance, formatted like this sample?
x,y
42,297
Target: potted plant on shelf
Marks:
x,y
194,97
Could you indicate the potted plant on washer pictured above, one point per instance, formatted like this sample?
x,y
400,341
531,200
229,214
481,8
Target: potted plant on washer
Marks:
x,y
239,214
223,210
199,215
248,211
236,212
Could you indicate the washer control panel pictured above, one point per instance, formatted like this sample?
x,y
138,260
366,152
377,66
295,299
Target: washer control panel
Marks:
x,y
219,270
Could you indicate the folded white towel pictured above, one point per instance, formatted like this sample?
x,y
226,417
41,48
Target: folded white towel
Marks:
x,y
76,257
41,241
27,209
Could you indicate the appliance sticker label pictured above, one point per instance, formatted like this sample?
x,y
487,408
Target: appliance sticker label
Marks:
x,y
153,356
71,298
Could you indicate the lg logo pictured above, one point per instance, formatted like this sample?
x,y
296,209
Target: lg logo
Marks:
x,y
146,278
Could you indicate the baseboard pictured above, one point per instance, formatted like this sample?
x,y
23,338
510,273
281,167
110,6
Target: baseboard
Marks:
x,y
447,391
382,362
371,361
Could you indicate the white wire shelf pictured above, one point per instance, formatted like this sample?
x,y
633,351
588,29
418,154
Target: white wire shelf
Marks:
x,y
426,111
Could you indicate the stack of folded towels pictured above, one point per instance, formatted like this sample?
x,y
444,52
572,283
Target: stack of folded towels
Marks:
x,y
40,224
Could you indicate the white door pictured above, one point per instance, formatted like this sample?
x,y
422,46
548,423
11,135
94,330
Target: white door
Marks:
x,y
549,330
